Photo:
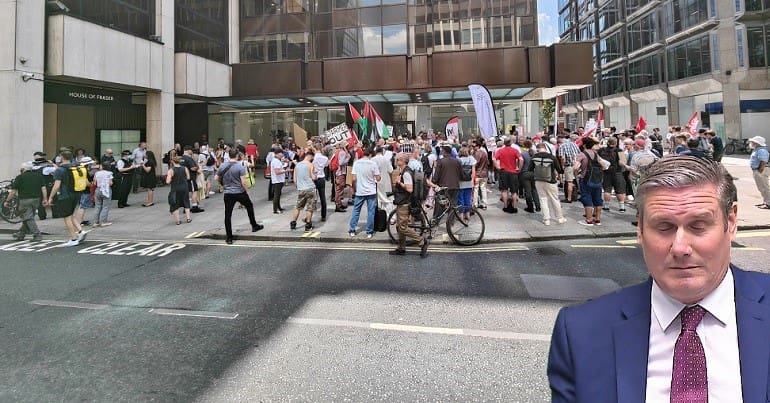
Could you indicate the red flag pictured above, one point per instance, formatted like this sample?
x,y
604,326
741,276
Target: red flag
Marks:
x,y
694,122
600,118
354,113
641,125
352,139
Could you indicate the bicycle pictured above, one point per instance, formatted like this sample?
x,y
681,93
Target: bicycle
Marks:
x,y
739,145
9,213
462,232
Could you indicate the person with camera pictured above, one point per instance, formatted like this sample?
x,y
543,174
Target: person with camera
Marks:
x,y
403,198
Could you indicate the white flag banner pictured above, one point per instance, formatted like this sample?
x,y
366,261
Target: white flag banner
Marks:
x,y
485,111
452,130
337,134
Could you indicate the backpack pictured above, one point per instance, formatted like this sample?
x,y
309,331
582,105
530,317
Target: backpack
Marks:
x,y
611,155
334,163
427,170
543,170
467,173
210,160
79,178
594,175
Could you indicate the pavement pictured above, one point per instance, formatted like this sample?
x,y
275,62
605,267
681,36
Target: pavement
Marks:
x,y
155,222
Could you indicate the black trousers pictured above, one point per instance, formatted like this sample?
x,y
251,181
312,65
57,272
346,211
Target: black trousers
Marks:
x,y
320,185
124,188
245,201
270,191
277,188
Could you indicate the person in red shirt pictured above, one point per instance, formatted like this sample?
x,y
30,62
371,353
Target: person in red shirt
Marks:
x,y
508,161
252,152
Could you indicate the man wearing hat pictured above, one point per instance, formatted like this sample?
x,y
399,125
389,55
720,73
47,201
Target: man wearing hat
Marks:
x,y
760,171
31,190
43,167
125,178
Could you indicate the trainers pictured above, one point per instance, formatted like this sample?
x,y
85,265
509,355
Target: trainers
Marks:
x,y
529,210
308,226
546,222
424,247
605,208
293,225
622,209
211,192
17,236
369,236
37,238
515,210
258,227
71,242
351,233
597,222
584,222
398,252
106,224
561,220
81,236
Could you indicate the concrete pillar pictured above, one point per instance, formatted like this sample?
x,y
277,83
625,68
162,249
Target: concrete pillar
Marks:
x,y
22,64
160,105
234,31
731,101
633,109
730,73
673,111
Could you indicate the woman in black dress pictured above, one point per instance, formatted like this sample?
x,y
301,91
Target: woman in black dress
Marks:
x,y
149,180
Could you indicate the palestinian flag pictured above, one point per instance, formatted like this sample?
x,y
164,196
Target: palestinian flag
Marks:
x,y
363,122
379,129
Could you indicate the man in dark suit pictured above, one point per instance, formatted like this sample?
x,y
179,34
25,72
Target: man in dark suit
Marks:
x,y
698,330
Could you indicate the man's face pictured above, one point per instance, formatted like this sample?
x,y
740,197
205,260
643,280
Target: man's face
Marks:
x,y
685,241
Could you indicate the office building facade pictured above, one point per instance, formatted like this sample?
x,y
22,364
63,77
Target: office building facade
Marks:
x,y
666,60
103,74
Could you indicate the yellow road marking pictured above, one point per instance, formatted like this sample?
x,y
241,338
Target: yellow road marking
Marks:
x,y
311,234
195,234
628,242
749,248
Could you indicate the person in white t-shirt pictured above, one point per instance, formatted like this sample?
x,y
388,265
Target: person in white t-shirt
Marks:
x,y
277,179
366,174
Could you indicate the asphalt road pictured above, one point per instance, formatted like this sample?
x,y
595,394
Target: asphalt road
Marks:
x,y
201,321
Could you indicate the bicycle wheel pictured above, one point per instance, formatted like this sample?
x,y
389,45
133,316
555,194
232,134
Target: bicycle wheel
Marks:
x,y
464,232
9,213
729,149
419,226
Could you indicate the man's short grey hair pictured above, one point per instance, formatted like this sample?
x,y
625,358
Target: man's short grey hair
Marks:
x,y
26,165
682,171
403,156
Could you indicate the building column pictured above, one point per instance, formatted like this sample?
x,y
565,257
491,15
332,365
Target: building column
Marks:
x,y
673,111
633,110
22,64
160,105
731,103
234,31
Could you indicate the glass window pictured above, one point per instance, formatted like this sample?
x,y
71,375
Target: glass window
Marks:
x,y
253,49
642,33
588,29
297,6
500,32
135,17
608,16
347,43
201,29
739,46
612,82
689,59
526,30
634,5
683,14
610,48
372,40
756,40
368,3
565,20
753,5
323,45
345,3
323,6
645,72
394,39
296,45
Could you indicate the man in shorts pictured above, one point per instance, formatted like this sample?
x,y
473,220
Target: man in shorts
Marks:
x,y
63,199
304,177
509,162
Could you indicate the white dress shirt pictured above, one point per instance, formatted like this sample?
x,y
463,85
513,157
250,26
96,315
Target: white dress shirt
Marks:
x,y
718,332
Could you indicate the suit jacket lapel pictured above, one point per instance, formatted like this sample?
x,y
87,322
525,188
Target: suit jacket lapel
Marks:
x,y
631,338
753,334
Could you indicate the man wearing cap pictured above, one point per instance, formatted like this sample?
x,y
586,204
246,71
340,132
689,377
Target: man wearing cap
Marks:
x,y
30,187
86,202
125,176
758,163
